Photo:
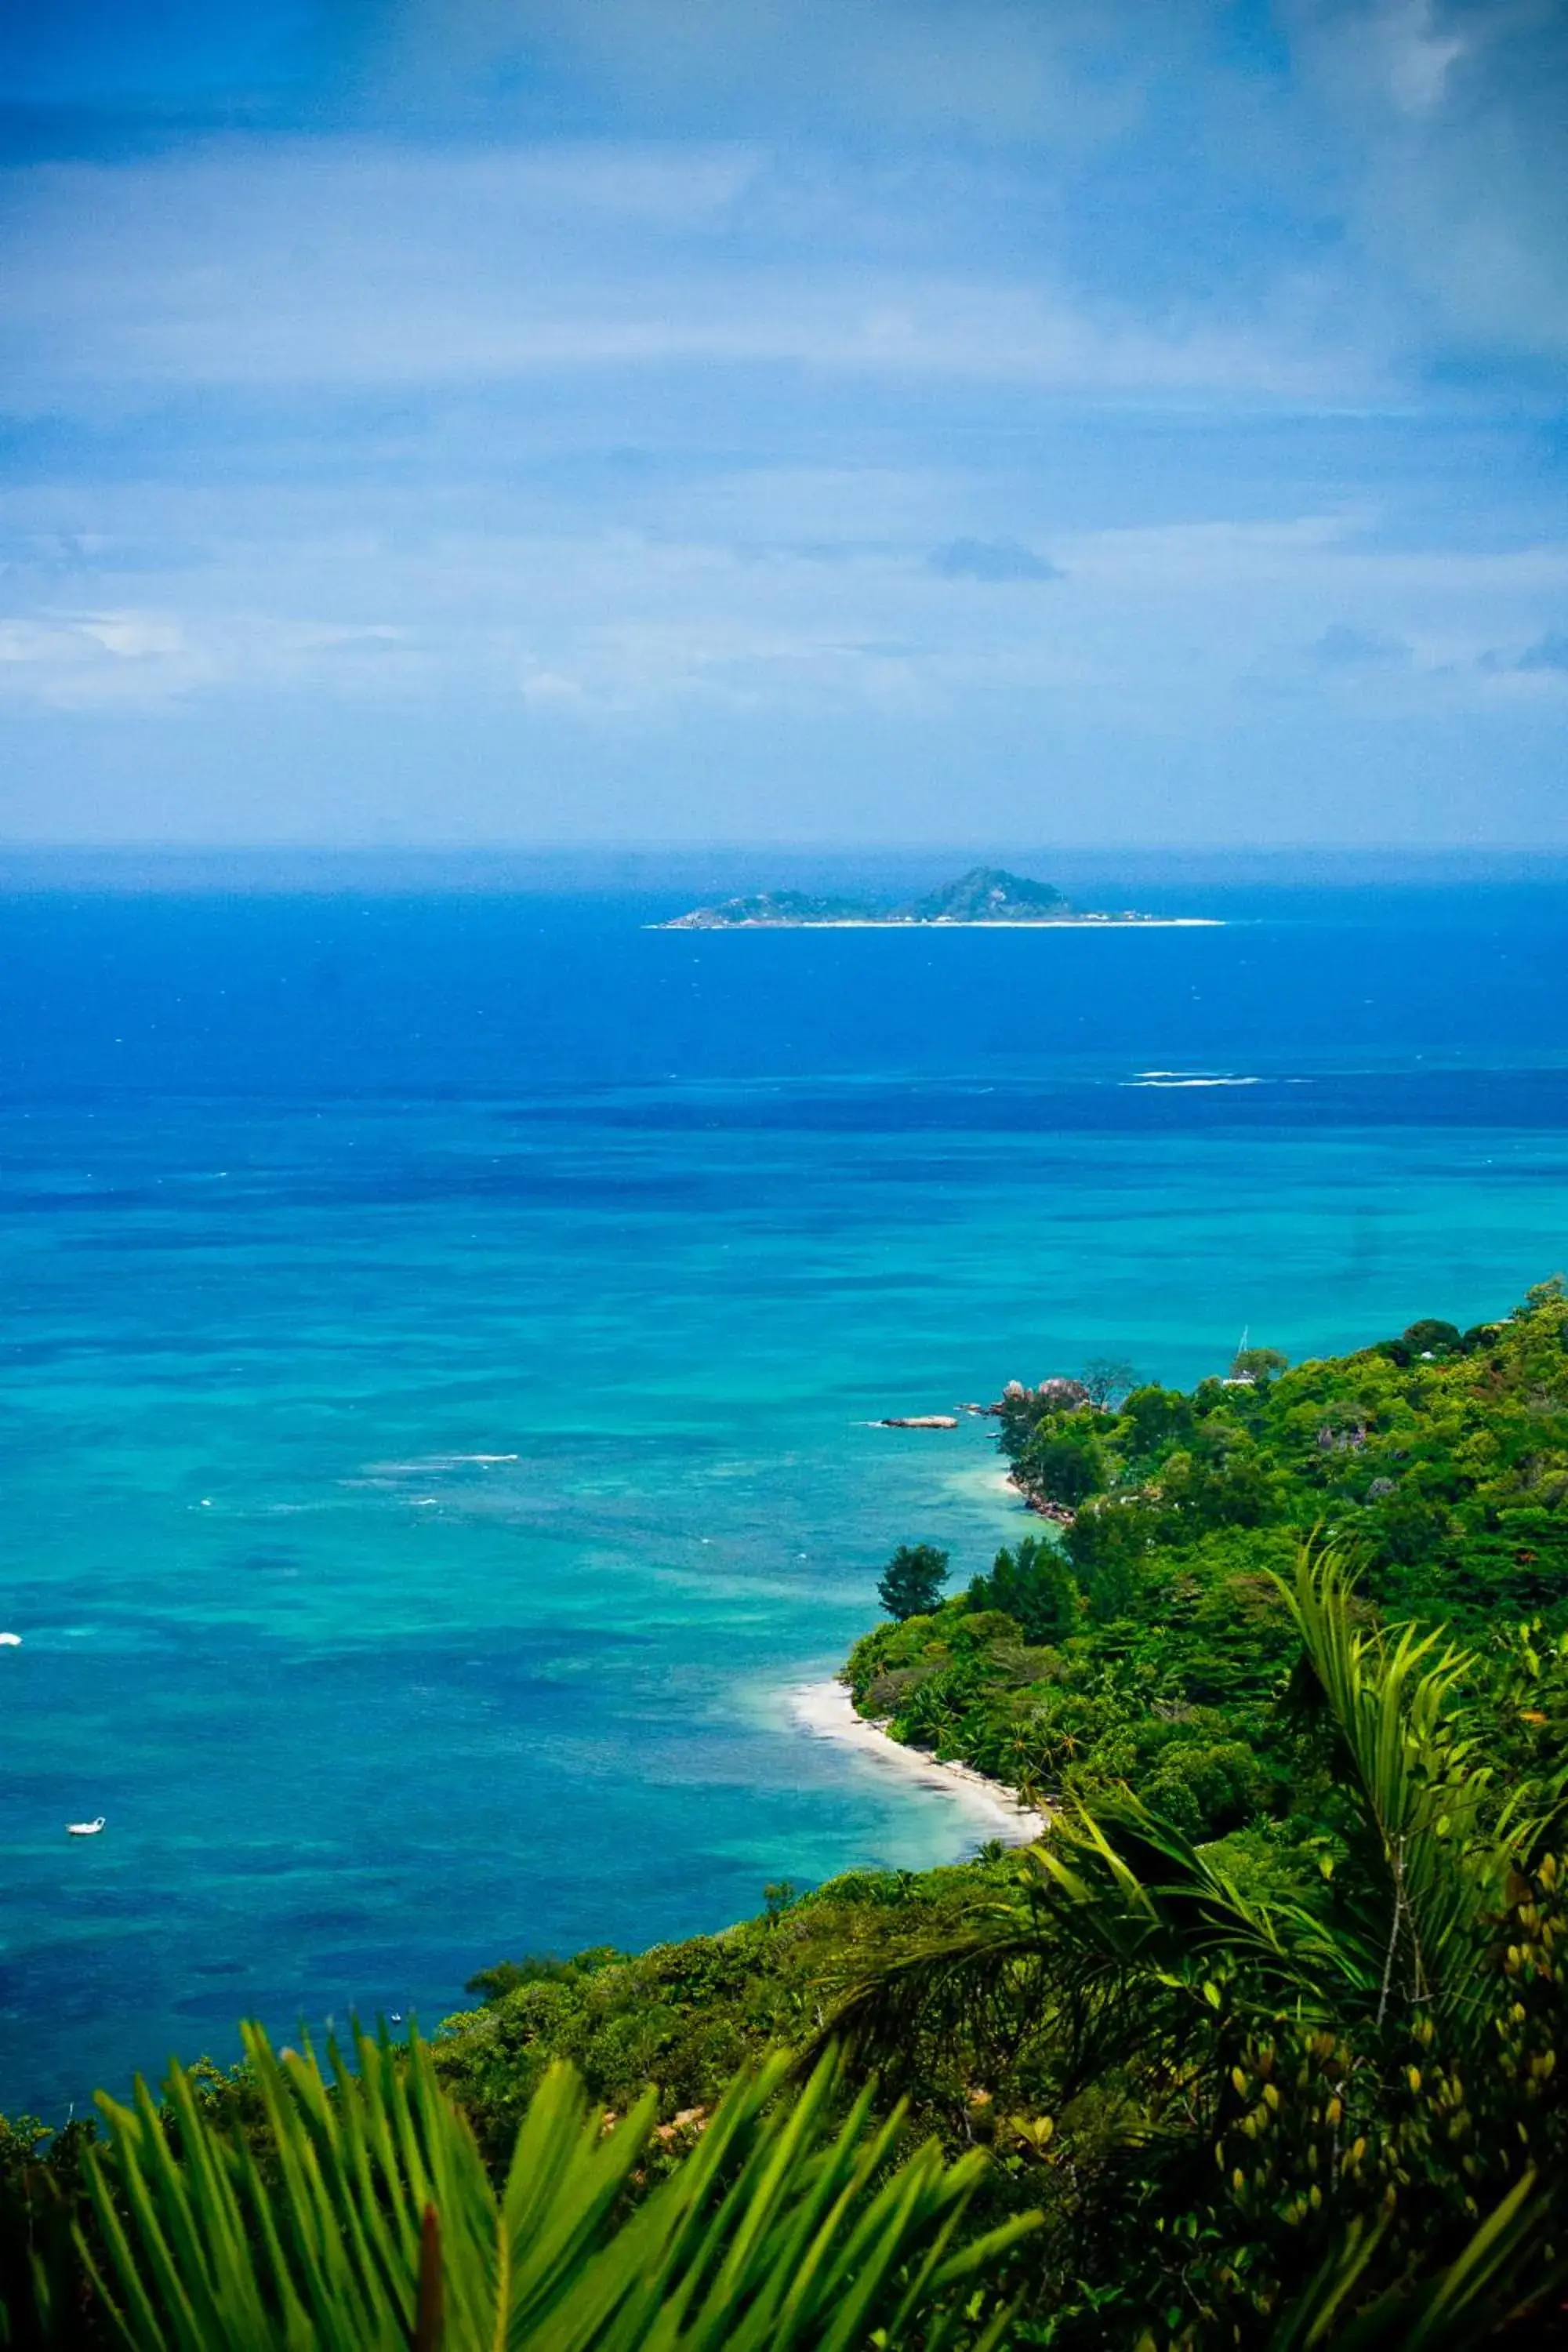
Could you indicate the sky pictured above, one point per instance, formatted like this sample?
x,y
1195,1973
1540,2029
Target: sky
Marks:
x,y
1091,422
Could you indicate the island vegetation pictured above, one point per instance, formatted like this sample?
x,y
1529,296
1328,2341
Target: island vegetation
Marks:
x,y
1261,2044
986,894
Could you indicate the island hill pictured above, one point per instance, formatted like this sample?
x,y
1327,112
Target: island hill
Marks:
x,y
986,894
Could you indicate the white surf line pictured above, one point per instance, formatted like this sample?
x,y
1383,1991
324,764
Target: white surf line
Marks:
x,y
825,1711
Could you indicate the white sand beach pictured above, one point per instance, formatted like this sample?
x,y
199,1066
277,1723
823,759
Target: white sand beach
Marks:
x,y
824,1711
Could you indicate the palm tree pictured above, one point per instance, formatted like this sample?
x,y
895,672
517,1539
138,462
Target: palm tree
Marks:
x,y
1434,1857
365,2221
1115,1913
1123,1955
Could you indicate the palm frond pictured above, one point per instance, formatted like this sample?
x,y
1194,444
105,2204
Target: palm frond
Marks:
x,y
1433,1847
366,2223
1080,1953
1459,2305
1191,1913
1120,1899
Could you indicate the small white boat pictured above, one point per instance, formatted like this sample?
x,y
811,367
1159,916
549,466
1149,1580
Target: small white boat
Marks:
x,y
84,1829
10,1641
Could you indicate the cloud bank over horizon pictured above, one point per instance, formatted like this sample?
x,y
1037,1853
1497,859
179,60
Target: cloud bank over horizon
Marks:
x,y
932,420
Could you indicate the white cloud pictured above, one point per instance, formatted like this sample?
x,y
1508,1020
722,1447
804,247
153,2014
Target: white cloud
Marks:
x,y
1419,56
384,602
354,264
135,637
648,438
147,657
93,660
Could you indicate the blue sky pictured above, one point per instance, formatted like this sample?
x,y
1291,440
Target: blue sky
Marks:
x,y
1094,422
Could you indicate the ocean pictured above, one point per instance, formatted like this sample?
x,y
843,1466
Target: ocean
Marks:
x,y
442,1337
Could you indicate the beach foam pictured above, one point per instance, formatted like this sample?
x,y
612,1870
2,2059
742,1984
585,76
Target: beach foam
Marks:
x,y
825,1711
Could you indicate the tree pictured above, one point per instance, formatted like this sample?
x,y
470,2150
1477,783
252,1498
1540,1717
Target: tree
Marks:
x,y
1106,1530
1062,1468
1115,1588
1034,1586
1431,1337
1259,1363
1108,1378
911,1585
1152,1418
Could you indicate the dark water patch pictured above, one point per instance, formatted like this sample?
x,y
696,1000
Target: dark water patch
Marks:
x,y
365,999
324,1920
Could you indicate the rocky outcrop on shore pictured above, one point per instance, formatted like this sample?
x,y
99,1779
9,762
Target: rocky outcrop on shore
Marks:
x,y
1058,1395
1060,1514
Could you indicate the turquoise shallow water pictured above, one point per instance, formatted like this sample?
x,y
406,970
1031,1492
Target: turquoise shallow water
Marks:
x,y
417,1497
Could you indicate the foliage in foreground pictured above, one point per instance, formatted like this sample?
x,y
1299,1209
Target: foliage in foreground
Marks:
x,y
1212,2088
360,2218
1223,2082
363,2219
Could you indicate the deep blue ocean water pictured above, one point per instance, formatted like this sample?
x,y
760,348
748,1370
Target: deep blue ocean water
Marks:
x,y
440,1337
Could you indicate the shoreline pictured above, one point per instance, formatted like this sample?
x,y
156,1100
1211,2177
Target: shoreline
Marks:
x,y
825,1711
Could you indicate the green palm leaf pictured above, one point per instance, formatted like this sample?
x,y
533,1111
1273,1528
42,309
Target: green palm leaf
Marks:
x,y
365,2221
1432,1847
1473,2298
1105,1951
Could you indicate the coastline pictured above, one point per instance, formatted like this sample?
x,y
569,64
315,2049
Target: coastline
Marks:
x,y
825,1711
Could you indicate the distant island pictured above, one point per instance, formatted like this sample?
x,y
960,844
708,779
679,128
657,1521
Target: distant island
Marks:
x,y
986,894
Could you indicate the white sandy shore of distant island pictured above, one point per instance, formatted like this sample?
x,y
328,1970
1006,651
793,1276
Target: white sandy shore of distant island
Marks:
x,y
825,1711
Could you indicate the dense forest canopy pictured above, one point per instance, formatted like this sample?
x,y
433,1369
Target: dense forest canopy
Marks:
x,y
1140,1635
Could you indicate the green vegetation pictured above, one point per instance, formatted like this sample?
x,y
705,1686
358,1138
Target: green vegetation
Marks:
x,y
986,894
368,2221
912,1583
1286,1977
772,907
1263,1363
1143,1639
1262,2045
